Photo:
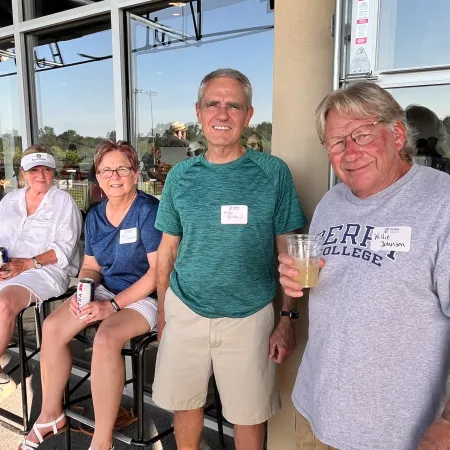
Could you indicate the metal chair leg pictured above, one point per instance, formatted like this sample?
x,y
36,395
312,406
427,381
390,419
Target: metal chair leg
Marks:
x,y
219,414
24,371
66,402
37,319
134,371
139,394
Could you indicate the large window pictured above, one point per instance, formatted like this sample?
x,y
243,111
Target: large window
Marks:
x,y
10,127
413,34
169,58
75,107
38,8
428,113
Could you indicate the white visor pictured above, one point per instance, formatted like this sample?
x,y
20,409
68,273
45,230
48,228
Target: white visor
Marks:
x,y
37,159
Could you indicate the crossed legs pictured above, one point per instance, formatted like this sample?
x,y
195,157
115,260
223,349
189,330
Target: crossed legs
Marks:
x,y
107,371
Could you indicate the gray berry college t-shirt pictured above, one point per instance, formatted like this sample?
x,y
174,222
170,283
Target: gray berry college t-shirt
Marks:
x,y
375,367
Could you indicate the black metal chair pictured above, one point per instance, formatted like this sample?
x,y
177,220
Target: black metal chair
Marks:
x,y
22,422
136,351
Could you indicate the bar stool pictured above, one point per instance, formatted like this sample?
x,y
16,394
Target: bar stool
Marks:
x,y
22,422
136,350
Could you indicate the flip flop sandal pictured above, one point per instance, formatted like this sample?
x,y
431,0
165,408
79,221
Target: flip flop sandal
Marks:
x,y
124,419
28,445
80,410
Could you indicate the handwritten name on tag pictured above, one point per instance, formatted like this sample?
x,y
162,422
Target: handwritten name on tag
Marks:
x,y
128,236
391,238
234,215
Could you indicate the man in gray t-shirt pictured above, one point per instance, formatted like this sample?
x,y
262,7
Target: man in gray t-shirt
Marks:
x,y
375,367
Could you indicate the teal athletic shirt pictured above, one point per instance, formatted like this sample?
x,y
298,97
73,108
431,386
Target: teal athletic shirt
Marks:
x,y
223,269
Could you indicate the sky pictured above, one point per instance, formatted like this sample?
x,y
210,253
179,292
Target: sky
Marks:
x,y
81,97
420,38
420,33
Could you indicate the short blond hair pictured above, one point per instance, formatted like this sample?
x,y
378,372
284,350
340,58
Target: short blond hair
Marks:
x,y
37,149
124,147
361,100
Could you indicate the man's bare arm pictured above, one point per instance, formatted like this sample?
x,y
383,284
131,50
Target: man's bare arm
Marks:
x,y
167,255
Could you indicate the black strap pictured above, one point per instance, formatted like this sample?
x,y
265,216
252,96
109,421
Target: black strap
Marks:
x,y
115,305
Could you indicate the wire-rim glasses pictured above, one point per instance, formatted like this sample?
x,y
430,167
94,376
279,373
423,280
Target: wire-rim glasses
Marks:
x,y
362,135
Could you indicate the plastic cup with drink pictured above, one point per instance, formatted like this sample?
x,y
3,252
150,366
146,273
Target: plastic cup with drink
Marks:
x,y
306,249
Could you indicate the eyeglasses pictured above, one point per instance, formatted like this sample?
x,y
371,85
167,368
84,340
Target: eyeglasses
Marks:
x,y
121,171
363,135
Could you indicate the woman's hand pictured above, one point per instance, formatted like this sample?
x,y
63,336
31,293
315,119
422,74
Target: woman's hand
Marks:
x,y
15,267
95,311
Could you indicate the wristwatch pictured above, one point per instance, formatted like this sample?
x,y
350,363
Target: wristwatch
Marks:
x,y
37,265
115,305
291,314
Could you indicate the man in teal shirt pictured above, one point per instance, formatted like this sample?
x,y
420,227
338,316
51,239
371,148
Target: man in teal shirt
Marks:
x,y
221,214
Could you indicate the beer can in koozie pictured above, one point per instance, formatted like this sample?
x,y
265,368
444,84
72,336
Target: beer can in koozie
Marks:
x,y
3,256
85,292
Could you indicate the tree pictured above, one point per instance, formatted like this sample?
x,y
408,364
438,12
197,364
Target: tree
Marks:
x,y
68,137
111,135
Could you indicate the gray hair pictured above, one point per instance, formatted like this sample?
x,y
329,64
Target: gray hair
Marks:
x,y
363,99
228,73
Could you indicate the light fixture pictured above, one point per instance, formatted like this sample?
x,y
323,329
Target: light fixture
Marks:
x,y
177,4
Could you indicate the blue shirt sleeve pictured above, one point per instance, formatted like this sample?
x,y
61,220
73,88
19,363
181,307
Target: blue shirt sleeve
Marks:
x,y
168,219
150,236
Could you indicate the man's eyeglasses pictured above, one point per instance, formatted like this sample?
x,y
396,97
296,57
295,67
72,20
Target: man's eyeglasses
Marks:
x,y
363,135
121,171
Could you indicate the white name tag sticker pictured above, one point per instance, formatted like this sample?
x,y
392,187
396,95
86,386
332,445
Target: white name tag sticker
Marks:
x,y
128,236
391,238
234,215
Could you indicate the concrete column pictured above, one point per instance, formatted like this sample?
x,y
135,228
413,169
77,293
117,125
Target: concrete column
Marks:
x,y
302,77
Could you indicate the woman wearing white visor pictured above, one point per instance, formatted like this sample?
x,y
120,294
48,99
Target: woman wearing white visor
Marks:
x,y
40,229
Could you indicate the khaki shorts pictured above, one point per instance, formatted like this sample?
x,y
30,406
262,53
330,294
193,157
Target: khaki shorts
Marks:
x,y
237,350
304,436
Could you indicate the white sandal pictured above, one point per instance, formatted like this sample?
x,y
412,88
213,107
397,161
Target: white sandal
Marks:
x,y
112,448
27,445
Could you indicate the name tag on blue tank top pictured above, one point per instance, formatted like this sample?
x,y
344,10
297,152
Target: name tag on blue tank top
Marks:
x,y
128,236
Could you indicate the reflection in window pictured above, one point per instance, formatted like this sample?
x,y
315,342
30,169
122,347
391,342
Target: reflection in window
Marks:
x,y
10,127
170,58
6,17
74,84
413,35
428,113
38,8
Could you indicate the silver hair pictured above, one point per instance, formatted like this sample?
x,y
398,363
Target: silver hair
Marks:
x,y
227,73
363,99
